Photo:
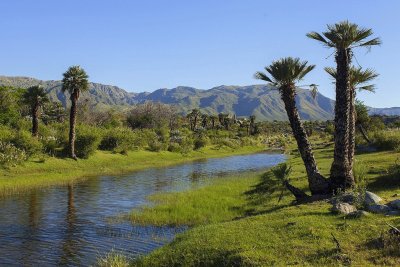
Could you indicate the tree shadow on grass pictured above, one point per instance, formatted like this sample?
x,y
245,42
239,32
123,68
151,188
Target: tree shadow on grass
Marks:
x,y
264,192
385,182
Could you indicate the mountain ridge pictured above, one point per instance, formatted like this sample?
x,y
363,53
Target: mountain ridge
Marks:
x,y
260,100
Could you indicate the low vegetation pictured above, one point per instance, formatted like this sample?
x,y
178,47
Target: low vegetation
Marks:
x,y
248,220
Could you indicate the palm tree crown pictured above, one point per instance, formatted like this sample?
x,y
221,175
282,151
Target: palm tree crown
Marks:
x,y
344,35
35,95
358,78
285,72
75,81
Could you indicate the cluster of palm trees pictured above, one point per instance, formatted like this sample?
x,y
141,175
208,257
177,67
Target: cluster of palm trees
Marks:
x,y
225,121
284,74
75,81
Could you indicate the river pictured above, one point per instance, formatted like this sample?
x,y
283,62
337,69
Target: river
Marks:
x,y
74,225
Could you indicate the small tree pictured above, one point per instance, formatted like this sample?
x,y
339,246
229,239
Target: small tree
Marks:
x,y
35,97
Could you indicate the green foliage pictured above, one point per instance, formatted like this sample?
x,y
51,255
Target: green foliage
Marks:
x,y
119,140
200,142
9,105
10,155
75,80
155,146
24,140
87,141
285,72
387,140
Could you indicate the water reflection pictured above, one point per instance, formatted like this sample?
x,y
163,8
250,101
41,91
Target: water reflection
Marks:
x,y
71,225
70,244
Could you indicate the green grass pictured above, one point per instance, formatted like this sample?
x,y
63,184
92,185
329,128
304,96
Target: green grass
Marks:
x,y
37,173
232,227
224,200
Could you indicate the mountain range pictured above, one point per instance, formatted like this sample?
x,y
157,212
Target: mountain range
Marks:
x,y
263,101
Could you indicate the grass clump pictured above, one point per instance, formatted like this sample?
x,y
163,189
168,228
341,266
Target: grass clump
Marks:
x,y
112,259
221,201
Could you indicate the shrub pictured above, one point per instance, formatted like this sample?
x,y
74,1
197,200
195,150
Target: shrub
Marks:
x,y
387,140
24,141
174,147
6,134
200,142
155,145
120,140
54,138
87,141
228,143
11,155
186,145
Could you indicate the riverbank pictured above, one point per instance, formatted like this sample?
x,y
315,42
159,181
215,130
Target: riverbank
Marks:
x,y
239,221
41,173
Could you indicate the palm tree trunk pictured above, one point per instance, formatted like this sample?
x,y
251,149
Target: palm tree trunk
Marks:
x,y
352,128
317,183
35,120
341,171
72,125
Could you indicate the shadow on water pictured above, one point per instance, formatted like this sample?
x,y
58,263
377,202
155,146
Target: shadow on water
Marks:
x,y
71,225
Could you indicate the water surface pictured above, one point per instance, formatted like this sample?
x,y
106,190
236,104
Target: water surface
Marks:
x,y
72,225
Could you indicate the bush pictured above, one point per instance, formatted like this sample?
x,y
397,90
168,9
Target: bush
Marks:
x,y
11,155
387,140
120,140
54,138
87,141
25,141
186,145
199,143
155,146
174,147
6,134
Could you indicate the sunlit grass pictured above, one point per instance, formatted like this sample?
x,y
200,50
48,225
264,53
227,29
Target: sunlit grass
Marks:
x,y
256,230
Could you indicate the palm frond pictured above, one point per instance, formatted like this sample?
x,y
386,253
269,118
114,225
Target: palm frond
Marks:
x,y
262,76
318,37
331,71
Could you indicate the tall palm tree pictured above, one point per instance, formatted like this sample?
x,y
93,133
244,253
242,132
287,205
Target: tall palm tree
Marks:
x,y
74,82
284,74
193,117
252,124
359,80
35,97
343,37
213,118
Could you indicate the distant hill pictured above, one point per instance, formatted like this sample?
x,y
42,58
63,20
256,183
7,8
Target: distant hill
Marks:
x,y
394,111
260,100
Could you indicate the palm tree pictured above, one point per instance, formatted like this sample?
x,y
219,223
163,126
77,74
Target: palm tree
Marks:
x,y
204,120
74,82
284,74
252,124
35,97
213,118
343,37
359,80
193,117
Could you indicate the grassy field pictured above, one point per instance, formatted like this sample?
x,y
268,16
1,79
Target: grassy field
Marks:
x,y
238,222
38,173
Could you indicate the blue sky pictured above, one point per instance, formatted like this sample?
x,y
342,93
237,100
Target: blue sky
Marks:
x,y
146,45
